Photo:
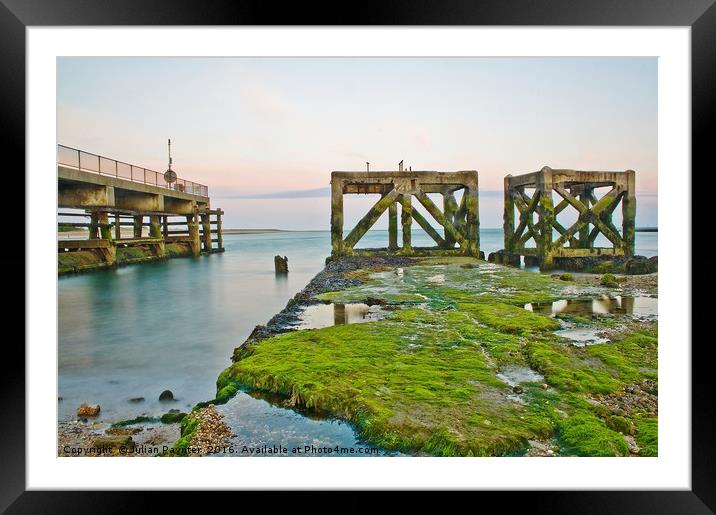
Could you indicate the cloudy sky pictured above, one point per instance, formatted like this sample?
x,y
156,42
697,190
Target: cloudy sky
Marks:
x,y
265,133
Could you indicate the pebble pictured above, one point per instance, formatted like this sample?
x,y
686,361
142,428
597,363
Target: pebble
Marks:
x,y
88,410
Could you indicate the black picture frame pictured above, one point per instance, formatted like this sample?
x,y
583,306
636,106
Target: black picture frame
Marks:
x,y
699,15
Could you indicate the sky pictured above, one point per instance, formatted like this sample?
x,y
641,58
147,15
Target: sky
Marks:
x,y
264,133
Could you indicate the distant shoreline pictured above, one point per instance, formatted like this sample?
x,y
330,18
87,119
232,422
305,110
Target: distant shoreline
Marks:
x,y
253,231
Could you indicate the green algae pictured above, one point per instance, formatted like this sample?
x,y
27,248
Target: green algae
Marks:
x,y
647,436
137,420
72,261
172,418
585,434
424,379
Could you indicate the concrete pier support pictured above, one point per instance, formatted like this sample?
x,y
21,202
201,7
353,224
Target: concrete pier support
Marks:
x,y
105,230
459,223
117,227
546,218
138,221
629,213
393,227
406,219
337,217
155,227
194,241
578,192
206,232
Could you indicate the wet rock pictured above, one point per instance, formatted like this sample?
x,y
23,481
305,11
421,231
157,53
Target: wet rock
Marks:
x,y
136,399
518,389
88,410
639,265
280,264
566,277
620,425
166,395
609,281
544,386
633,447
172,418
491,257
123,431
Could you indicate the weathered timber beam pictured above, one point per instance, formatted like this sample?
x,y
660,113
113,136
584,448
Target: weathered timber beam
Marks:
x,y
575,203
440,218
406,220
604,202
450,207
369,219
525,210
569,233
525,238
558,226
606,231
422,222
560,207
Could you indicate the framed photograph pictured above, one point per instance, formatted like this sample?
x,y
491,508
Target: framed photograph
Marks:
x,y
435,249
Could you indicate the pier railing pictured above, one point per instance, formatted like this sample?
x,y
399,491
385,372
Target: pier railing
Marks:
x,y
88,162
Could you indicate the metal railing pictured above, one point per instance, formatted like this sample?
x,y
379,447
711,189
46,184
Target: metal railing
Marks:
x,y
88,162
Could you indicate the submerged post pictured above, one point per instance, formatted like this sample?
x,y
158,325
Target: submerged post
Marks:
x,y
280,264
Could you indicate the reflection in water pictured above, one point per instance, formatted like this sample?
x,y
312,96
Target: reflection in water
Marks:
x,y
317,316
618,305
580,336
262,428
514,375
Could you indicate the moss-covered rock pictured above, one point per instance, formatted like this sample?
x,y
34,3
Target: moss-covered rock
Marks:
x,y
609,280
172,418
620,425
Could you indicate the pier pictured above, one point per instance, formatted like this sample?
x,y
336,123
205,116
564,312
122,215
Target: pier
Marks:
x,y
108,195
459,221
577,190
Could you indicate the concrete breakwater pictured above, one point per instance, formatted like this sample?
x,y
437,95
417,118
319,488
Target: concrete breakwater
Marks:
x,y
457,365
